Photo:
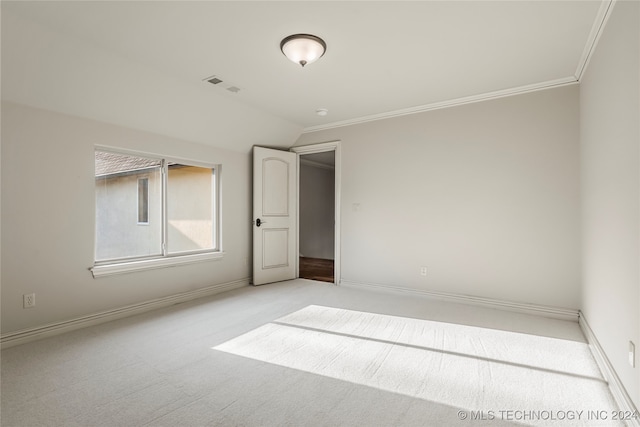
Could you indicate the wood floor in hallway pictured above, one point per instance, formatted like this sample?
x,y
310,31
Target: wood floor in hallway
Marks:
x,y
316,269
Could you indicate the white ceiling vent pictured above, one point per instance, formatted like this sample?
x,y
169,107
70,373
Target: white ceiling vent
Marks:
x,y
217,81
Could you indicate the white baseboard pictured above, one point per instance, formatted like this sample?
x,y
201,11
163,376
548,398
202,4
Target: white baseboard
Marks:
x,y
620,394
618,391
538,310
39,332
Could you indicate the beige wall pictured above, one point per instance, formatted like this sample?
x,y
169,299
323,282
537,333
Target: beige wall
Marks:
x,y
486,196
610,155
48,214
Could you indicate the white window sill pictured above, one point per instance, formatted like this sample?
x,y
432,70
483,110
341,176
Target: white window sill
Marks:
x,y
148,264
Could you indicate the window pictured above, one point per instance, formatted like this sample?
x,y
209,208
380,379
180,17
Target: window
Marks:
x,y
176,201
143,200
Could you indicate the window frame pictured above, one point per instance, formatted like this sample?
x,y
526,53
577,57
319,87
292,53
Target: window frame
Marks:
x,y
166,259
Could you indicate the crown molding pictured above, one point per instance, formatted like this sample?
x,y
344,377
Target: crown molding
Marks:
x,y
606,6
446,104
602,16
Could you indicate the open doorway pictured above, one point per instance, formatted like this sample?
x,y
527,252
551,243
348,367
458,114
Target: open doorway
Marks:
x,y
317,216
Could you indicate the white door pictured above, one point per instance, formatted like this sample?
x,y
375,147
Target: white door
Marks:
x,y
274,215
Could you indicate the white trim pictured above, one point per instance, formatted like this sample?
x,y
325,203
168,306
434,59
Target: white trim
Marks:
x,y
615,385
217,200
571,80
32,334
297,260
337,267
594,36
164,212
316,148
148,264
534,309
321,148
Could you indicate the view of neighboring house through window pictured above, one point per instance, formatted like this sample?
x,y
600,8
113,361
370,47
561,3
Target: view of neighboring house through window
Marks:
x,y
143,200
147,208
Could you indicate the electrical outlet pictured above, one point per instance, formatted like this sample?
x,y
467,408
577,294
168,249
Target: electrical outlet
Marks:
x,y
423,271
28,300
632,354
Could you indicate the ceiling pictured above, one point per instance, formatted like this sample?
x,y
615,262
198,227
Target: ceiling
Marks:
x,y
382,59
325,158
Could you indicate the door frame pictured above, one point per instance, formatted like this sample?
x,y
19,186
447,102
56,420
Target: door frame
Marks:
x,y
321,148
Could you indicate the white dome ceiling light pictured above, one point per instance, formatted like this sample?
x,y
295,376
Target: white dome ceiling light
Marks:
x,y
303,49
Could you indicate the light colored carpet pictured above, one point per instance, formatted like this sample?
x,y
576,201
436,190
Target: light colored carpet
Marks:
x,y
487,373
304,353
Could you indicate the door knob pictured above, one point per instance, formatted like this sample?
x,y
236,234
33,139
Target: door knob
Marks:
x,y
259,222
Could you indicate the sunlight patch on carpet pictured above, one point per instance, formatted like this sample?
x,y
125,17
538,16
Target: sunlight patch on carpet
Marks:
x,y
472,368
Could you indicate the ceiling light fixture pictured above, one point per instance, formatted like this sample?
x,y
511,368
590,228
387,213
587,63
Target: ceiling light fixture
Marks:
x,y
303,49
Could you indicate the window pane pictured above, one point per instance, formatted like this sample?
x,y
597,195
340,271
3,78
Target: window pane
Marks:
x,y
143,200
190,208
119,233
